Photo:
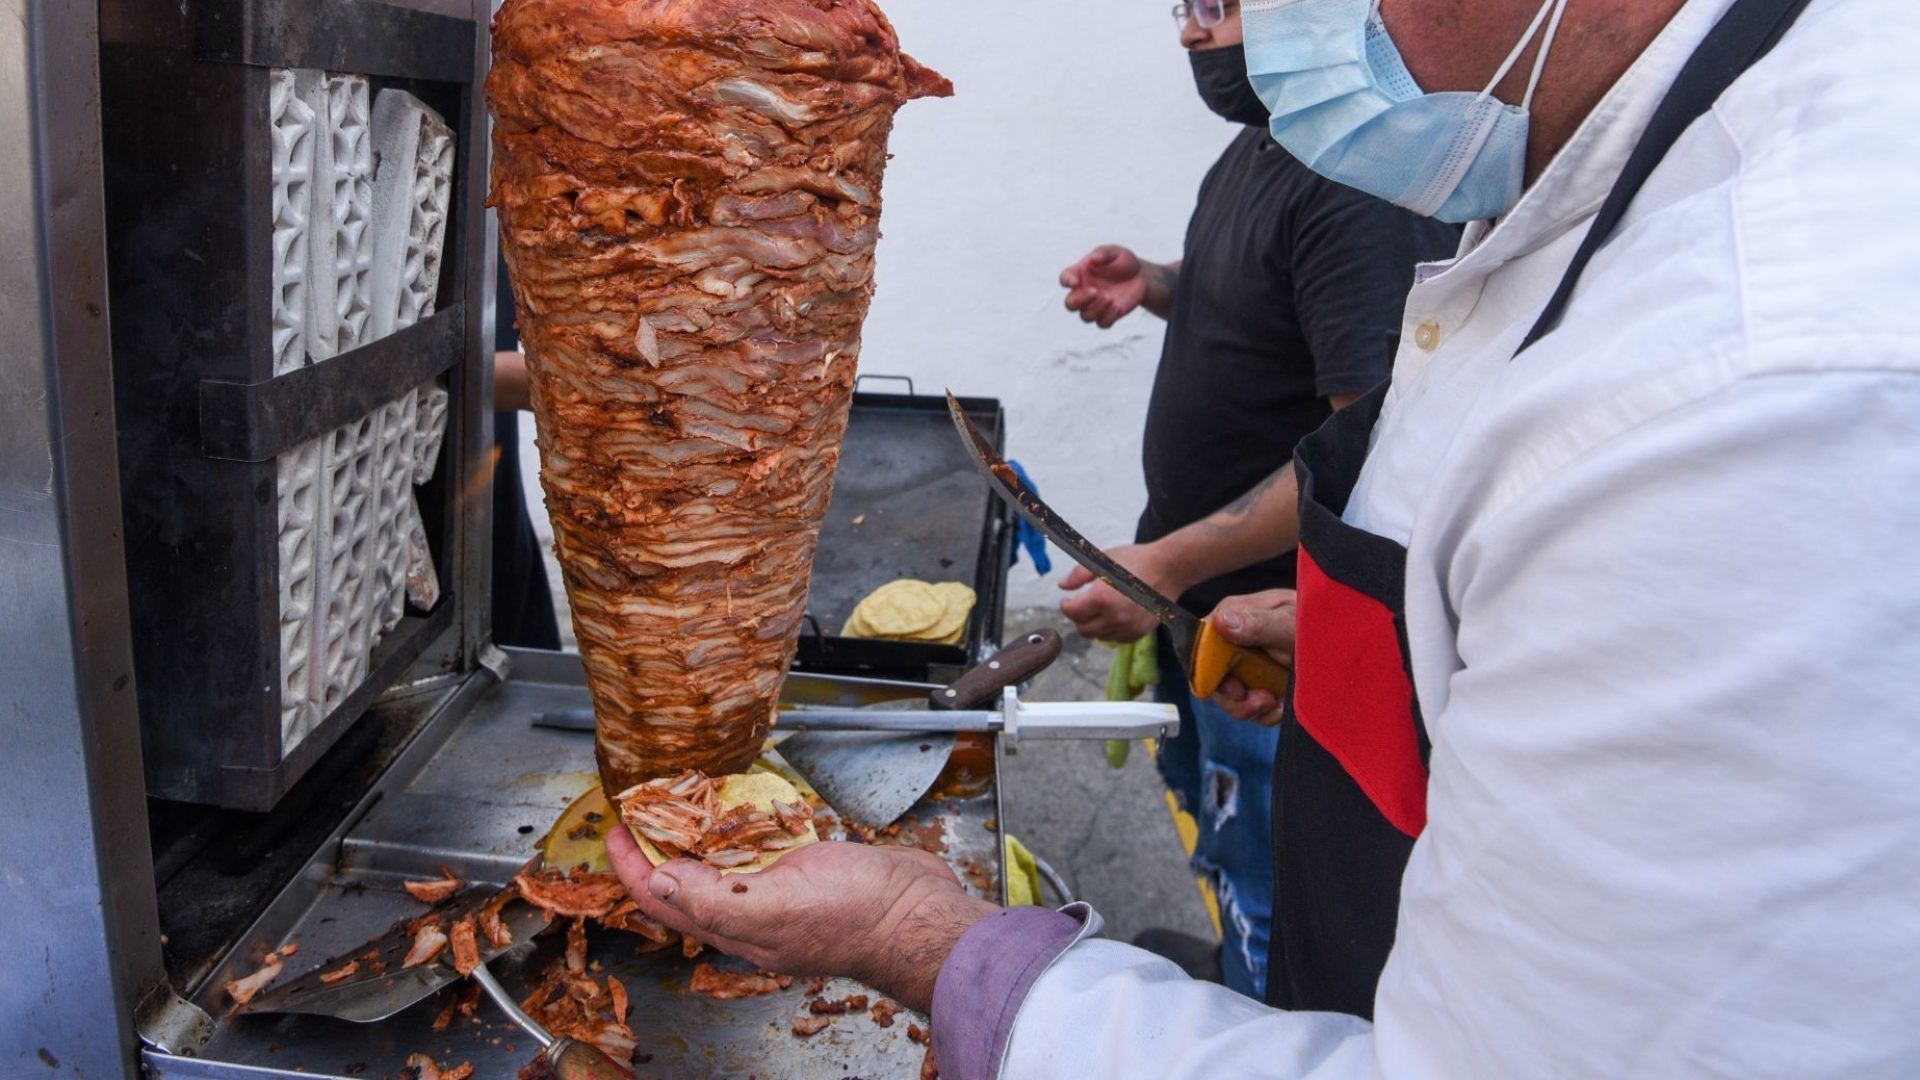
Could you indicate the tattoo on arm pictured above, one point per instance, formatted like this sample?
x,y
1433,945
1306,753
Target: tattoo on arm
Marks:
x,y
1234,513
1161,280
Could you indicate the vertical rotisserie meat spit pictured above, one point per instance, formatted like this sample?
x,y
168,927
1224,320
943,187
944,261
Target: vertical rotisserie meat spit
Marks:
x,y
689,198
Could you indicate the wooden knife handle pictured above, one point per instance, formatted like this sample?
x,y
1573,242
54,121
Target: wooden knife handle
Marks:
x,y
1011,666
1215,658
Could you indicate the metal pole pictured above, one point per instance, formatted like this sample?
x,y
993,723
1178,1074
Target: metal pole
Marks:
x,y
80,934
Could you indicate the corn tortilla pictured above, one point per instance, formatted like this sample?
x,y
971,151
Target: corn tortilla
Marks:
x,y
899,611
901,607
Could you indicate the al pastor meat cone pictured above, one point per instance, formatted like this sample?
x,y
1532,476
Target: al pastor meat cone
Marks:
x,y
689,198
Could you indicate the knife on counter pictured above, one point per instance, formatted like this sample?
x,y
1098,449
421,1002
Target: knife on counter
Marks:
x,y
872,765
1207,656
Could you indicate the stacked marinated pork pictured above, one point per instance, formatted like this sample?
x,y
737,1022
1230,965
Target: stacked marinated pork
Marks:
x,y
689,195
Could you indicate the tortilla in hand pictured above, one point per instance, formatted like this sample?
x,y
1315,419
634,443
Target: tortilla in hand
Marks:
x,y
739,824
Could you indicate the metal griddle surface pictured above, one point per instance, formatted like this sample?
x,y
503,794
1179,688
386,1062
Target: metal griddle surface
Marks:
x,y
921,505
475,795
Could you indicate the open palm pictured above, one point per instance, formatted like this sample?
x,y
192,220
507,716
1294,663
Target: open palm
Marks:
x,y
1105,286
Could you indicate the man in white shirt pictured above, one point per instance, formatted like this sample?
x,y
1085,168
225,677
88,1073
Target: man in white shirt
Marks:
x,y
1646,481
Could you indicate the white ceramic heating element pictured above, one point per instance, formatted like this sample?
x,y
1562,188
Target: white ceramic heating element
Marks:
x,y
360,211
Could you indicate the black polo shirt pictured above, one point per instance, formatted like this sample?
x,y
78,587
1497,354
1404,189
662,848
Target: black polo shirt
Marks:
x,y
1290,290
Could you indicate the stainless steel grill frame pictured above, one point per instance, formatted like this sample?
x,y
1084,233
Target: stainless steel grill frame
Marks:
x,y
82,931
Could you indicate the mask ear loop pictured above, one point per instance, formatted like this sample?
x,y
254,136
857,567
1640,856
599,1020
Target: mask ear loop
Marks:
x,y
1554,8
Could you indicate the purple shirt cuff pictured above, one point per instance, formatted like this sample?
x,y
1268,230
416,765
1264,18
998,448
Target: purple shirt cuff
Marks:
x,y
986,978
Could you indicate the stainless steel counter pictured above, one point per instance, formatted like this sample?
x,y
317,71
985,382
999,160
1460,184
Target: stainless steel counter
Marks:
x,y
475,793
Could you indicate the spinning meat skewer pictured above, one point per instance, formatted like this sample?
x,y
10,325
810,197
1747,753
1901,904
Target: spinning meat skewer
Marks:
x,y
689,197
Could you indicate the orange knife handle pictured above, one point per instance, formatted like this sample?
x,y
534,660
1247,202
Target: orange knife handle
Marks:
x,y
1215,658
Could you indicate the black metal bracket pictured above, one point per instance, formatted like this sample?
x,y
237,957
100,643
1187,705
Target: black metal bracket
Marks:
x,y
259,421
364,37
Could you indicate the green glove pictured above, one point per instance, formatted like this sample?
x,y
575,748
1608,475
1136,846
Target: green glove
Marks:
x,y
1135,669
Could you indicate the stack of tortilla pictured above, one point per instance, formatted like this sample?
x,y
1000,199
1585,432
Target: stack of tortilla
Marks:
x,y
909,610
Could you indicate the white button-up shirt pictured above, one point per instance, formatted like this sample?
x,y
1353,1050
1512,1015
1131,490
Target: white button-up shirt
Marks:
x,y
1663,600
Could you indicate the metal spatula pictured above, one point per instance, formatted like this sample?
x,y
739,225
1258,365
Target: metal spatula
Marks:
x,y
870,778
372,994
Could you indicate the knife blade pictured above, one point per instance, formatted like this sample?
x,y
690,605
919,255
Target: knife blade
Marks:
x,y
1043,720
1207,656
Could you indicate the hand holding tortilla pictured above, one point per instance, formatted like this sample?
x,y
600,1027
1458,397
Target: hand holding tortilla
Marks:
x,y
872,912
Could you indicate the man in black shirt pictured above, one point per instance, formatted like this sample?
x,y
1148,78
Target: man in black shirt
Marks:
x,y
1281,310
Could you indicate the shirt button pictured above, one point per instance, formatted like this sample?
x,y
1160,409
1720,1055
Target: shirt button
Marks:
x,y
1427,336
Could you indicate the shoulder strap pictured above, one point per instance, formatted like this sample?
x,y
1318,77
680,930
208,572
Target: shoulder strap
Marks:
x,y
1745,34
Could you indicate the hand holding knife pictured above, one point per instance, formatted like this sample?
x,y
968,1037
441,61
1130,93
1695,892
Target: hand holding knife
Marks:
x,y
1207,656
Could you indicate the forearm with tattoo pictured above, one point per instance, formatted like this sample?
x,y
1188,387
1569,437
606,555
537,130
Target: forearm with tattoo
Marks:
x,y
1262,524
1161,279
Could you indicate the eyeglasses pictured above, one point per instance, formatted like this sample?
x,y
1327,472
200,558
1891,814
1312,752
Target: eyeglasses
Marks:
x,y
1208,13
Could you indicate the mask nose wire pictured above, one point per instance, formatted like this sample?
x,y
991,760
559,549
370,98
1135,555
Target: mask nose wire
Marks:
x,y
1554,8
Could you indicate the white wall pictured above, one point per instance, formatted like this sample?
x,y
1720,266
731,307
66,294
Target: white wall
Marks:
x,y
1073,123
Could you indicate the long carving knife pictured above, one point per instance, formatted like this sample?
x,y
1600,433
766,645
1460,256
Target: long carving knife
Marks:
x,y
1207,656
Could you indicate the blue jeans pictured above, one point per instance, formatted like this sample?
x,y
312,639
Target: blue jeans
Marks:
x,y
1221,771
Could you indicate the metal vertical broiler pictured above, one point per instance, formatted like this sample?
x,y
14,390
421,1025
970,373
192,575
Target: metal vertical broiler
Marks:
x,y
248,683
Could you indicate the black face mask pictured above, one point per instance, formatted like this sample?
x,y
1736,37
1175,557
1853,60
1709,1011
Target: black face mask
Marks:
x,y
1221,76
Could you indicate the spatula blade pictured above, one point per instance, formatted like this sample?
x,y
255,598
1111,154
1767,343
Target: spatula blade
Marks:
x,y
869,778
374,993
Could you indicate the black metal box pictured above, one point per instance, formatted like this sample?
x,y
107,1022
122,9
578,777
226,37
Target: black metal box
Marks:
x,y
907,503
235,133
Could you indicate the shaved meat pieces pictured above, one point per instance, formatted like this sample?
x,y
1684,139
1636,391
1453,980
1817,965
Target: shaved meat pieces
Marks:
x,y
429,941
723,985
433,892
628,917
850,1003
689,198
672,812
577,946
681,815
884,1011
793,817
491,925
809,1026
341,973
465,941
242,990
617,991
578,1005
571,894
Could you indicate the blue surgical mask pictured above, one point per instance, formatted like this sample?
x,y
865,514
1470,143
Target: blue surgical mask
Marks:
x,y
1344,103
